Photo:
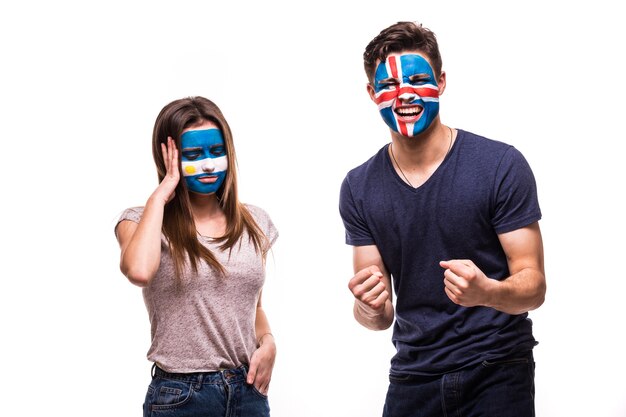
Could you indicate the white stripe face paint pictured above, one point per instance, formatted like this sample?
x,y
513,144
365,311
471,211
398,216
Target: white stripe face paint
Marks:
x,y
215,165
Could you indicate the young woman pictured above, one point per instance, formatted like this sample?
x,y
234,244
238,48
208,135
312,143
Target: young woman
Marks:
x,y
199,255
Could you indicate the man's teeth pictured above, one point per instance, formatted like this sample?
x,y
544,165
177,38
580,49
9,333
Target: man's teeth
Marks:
x,y
409,112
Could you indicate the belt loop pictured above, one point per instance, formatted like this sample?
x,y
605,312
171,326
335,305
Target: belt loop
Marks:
x,y
152,371
199,379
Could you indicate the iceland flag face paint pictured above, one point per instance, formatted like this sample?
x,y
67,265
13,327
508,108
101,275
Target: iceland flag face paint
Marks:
x,y
204,160
406,93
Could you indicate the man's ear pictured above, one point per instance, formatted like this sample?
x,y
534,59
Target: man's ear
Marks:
x,y
370,91
441,83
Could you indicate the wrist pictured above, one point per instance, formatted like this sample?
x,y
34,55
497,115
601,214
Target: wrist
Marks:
x,y
265,339
157,198
367,311
492,293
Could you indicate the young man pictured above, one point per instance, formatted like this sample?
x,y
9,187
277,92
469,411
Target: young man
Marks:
x,y
452,219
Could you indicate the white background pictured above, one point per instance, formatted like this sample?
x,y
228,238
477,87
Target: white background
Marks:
x,y
81,85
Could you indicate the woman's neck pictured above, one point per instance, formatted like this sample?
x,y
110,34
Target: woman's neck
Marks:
x,y
208,215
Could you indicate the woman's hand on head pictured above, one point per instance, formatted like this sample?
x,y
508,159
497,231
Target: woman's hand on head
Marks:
x,y
167,189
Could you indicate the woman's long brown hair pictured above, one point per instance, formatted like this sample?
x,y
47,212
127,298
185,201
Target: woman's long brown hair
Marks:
x,y
178,224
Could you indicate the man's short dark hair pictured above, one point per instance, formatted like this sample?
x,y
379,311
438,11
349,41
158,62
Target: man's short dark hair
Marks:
x,y
402,36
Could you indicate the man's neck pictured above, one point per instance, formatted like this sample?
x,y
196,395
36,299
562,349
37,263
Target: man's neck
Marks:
x,y
416,158
427,148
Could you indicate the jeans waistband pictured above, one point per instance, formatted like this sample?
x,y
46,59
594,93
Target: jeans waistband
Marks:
x,y
399,378
226,376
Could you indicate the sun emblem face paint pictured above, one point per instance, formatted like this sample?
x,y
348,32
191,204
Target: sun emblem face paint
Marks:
x,y
204,161
406,93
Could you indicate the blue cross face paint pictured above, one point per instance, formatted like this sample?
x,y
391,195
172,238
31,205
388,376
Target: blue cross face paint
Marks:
x,y
204,161
406,93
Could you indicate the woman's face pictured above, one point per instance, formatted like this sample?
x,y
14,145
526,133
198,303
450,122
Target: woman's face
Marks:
x,y
203,158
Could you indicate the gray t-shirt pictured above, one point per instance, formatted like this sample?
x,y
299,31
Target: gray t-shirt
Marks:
x,y
206,323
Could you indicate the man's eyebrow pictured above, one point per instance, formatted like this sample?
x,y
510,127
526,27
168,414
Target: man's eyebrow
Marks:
x,y
419,76
388,80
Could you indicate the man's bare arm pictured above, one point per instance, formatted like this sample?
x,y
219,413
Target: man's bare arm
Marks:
x,y
371,287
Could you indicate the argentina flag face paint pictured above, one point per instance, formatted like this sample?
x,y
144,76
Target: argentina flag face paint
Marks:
x,y
203,159
406,93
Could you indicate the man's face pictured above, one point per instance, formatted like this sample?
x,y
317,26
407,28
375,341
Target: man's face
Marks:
x,y
204,161
407,93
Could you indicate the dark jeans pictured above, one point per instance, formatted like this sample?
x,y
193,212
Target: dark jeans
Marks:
x,y
499,388
209,394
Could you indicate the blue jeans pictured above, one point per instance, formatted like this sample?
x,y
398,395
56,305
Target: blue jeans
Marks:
x,y
499,388
208,394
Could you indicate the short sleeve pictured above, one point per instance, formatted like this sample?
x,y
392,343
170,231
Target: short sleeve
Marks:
x,y
266,224
271,231
357,231
133,214
516,203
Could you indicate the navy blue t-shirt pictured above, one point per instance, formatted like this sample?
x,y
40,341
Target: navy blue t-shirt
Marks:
x,y
482,188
